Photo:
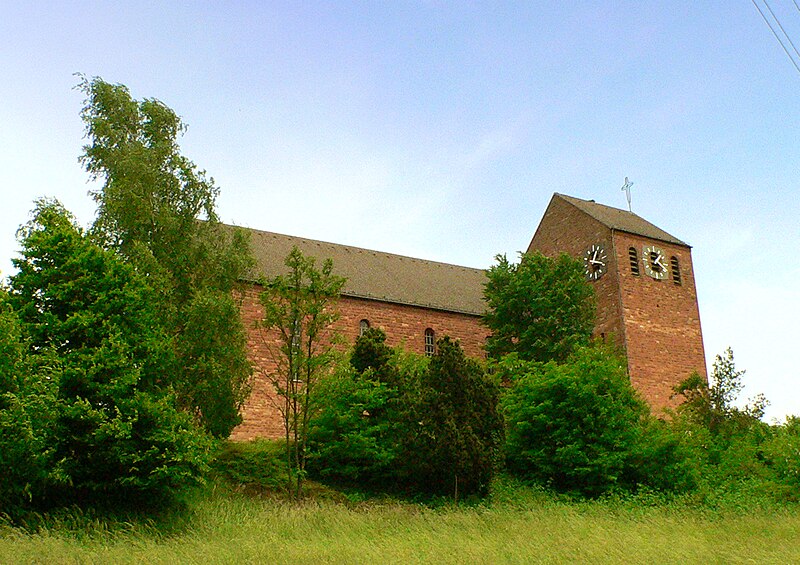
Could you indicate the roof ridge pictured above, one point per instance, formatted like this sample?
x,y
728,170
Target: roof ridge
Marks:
x,y
620,219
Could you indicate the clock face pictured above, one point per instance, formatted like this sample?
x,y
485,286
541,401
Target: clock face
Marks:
x,y
595,262
655,262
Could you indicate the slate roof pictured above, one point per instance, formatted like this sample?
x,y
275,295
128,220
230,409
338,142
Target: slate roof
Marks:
x,y
378,275
620,220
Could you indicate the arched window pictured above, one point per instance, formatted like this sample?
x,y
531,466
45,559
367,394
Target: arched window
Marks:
x,y
676,270
430,342
634,258
363,326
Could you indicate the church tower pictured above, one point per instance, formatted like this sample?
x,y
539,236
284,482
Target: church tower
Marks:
x,y
644,286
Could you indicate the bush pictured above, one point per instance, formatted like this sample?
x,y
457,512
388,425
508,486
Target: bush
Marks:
x,y
27,413
360,432
353,438
460,431
116,432
738,457
370,353
432,428
581,427
661,460
216,372
253,466
781,453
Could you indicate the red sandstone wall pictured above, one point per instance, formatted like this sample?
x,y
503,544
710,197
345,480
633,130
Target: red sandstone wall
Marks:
x,y
565,229
664,340
657,322
404,325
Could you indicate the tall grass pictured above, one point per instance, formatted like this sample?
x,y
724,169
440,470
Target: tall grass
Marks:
x,y
528,528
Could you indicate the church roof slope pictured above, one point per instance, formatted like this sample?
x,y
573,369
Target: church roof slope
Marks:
x,y
620,220
377,275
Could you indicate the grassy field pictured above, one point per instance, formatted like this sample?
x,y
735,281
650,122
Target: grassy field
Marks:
x,y
226,528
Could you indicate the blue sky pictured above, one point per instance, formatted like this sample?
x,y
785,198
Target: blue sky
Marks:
x,y
441,129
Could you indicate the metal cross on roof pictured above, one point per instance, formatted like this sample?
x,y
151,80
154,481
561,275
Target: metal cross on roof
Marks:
x,y
627,188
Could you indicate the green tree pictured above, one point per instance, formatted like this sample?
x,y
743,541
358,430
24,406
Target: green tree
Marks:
x,y
431,427
355,434
370,353
460,430
712,403
781,453
729,444
159,212
362,431
117,431
26,417
575,426
540,308
299,308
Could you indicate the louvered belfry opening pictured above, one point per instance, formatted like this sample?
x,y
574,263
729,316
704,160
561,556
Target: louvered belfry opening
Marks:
x,y
676,270
634,258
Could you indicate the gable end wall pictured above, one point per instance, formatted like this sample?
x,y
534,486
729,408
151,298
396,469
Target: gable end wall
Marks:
x,y
566,229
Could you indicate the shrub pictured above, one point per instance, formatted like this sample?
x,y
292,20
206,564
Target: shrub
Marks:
x,y
433,428
353,438
117,432
27,402
661,460
460,431
370,352
581,427
253,466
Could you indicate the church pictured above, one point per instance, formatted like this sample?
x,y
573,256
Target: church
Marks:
x,y
643,279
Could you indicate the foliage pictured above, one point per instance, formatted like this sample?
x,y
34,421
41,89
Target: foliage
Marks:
x,y
460,429
781,452
299,308
150,209
541,308
26,417
254,466
371,352
431,427
11,347
735,452
660,460
581,427
712,404
214,345
354,435
726,438
116,429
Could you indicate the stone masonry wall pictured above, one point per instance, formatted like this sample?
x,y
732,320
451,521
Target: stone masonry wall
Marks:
x,y
664,340
656,322
404,325
565,229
